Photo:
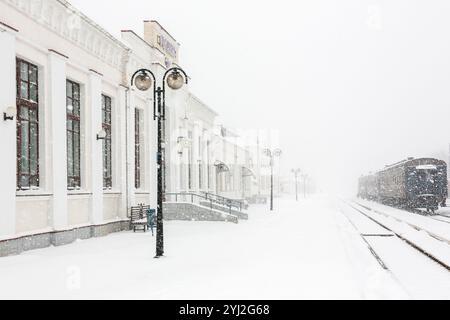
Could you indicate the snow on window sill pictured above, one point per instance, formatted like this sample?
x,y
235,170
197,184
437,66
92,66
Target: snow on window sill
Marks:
x,y
78,192
111,191
36,192
141,191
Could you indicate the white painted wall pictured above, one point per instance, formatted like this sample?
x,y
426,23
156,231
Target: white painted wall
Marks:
x,y
7,134
57,106
95,155
78,209
32,214
130,149
120,140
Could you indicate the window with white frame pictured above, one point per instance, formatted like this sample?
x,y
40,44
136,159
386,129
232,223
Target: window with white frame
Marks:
x,y
107,142
73,102
208,165
27,126
190,161
138,118
200,163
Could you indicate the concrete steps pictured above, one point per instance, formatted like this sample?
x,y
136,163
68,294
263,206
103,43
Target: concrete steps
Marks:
x,y
241,215
185,211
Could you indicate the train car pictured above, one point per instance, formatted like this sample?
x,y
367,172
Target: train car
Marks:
x,y
368,187
412,183
392,184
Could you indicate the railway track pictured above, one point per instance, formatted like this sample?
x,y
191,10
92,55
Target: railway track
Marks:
x,y
444,219
414,226
423,213
364,237
368,213
437,217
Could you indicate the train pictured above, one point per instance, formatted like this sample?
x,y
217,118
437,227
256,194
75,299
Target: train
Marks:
x,y
411,183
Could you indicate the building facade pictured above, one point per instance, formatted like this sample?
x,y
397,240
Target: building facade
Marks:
x,y
80,147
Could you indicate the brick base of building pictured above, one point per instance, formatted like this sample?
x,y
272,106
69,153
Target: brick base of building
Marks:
x,y
18,245
191,212
172,211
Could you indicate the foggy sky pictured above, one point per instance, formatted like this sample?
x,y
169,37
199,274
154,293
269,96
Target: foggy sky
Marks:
x,y
350,85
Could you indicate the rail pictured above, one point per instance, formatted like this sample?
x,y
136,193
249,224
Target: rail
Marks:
x,y
192,197
239,205
428,252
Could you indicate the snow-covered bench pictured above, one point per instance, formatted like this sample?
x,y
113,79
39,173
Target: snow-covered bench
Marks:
x,y
139,217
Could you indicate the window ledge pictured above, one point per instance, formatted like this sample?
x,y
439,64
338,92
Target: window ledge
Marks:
x,y
33,193
140,191
78,193
112,192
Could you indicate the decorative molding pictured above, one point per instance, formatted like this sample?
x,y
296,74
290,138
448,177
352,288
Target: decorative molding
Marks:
x,y
58,53
69,23
8,26
96,72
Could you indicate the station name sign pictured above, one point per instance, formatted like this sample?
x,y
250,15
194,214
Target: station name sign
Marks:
x,y
167,46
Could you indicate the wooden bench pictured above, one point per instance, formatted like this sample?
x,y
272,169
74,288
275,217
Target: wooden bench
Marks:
x,y
139,217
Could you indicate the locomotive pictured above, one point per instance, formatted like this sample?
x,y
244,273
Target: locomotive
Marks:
x,y
411,183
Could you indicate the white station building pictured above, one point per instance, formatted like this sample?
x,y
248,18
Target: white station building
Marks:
x,y
65,83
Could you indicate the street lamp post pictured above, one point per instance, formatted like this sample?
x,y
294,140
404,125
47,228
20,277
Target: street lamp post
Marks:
x,y
144,80
272,154
296,172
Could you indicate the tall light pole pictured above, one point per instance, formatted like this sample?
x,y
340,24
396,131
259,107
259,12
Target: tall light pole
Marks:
x,y
296,172
272,154
144,80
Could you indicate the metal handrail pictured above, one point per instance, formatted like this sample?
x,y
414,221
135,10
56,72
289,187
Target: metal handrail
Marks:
x,y
196,195
224,201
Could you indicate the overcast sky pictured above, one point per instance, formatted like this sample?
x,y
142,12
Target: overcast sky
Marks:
x,y
351,85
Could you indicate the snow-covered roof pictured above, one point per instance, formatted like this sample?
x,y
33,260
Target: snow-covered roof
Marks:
x,y
426,167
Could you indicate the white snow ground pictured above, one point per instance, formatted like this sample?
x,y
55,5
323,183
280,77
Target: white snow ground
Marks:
x,y
439,228
305,250
420,277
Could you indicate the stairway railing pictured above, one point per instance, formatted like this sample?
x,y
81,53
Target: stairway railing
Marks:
x,y
237,204
192,197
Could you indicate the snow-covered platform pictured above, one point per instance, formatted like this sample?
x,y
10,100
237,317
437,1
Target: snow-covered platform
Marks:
x,y
304,250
